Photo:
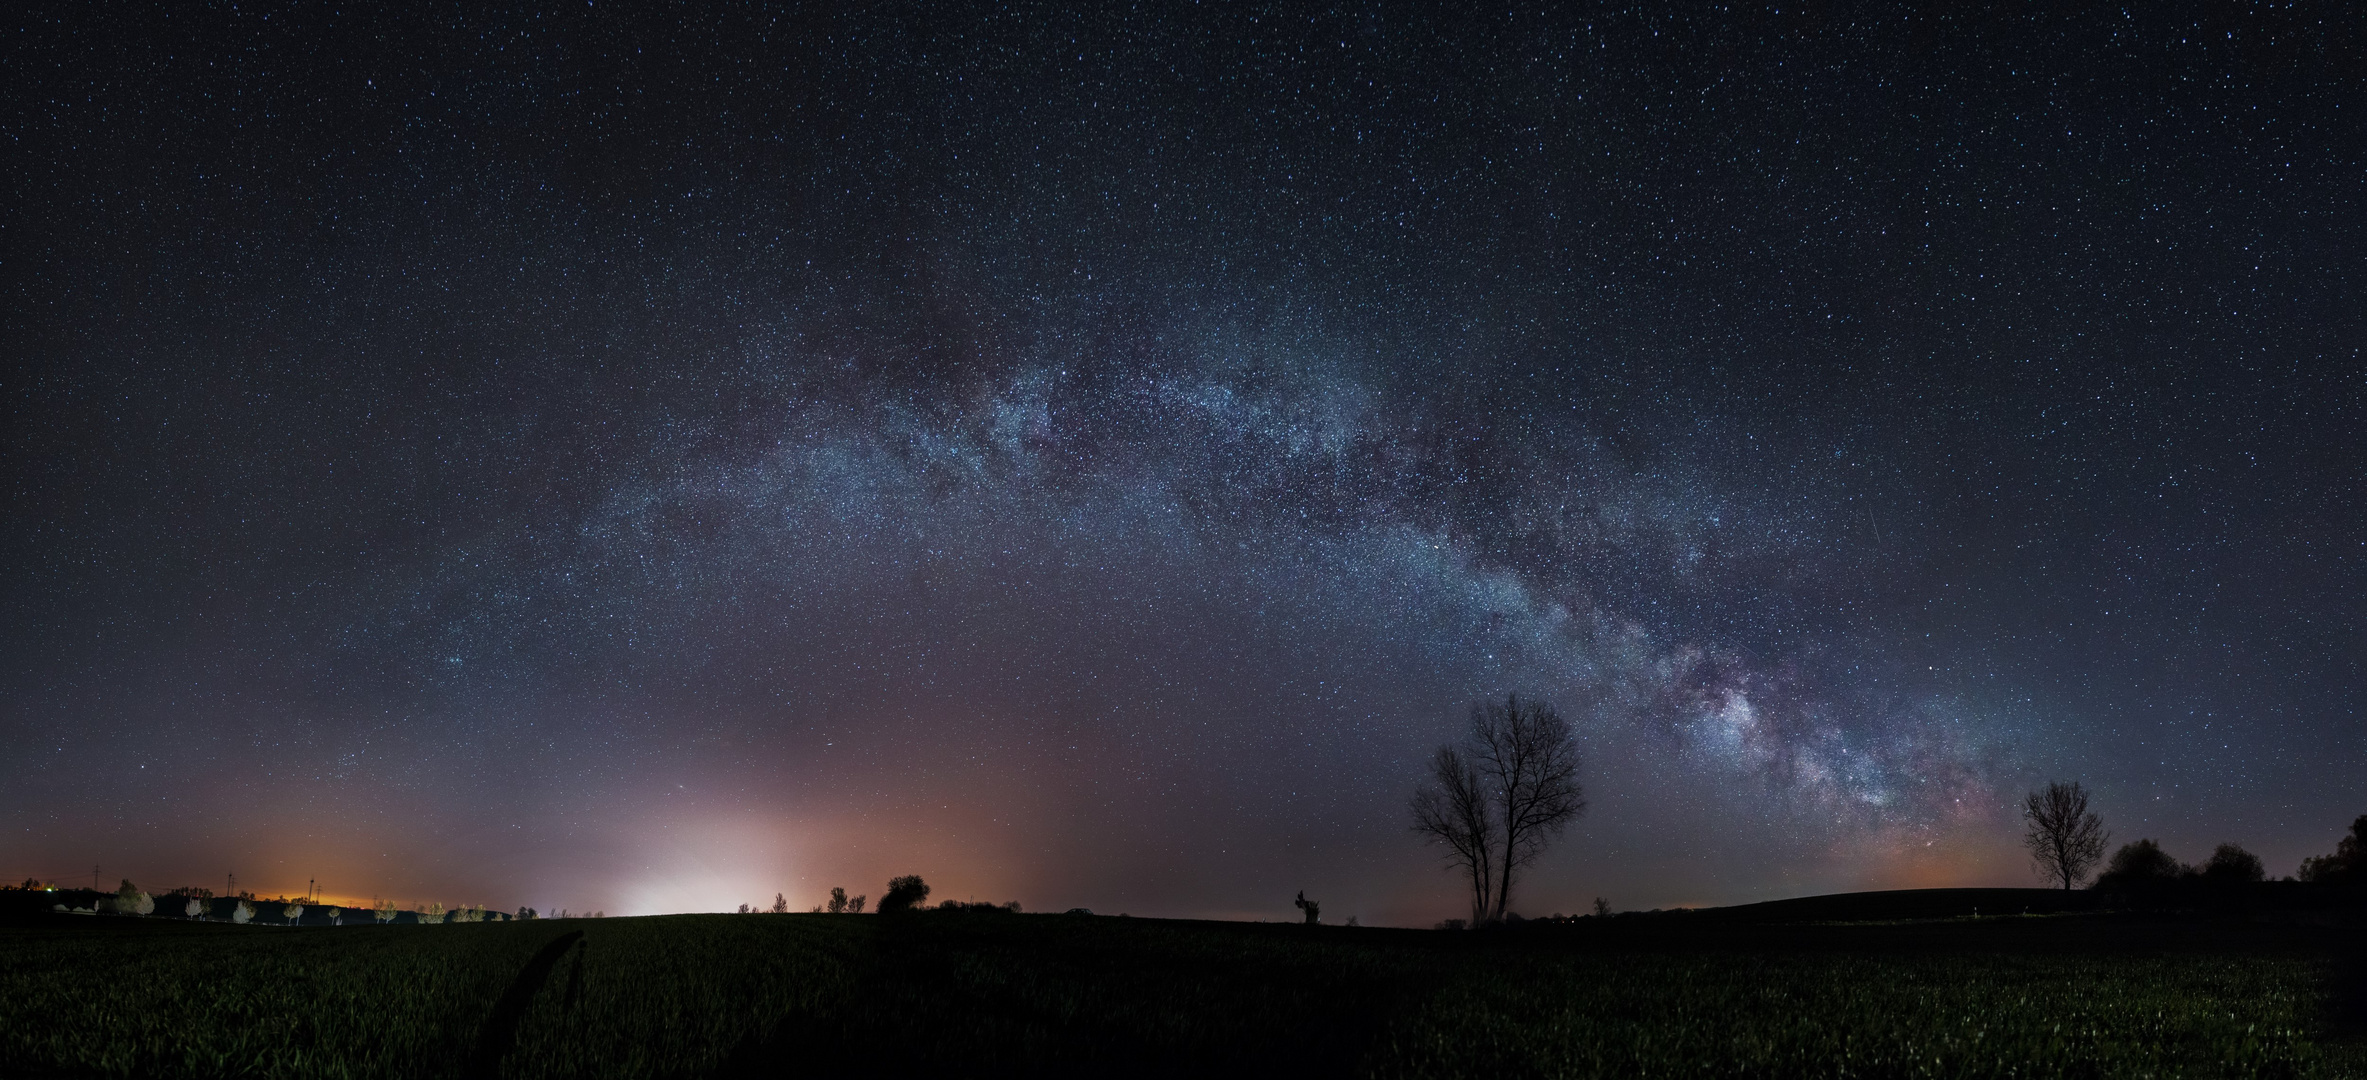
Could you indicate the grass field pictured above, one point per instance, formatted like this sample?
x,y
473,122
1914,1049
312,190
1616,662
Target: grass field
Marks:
x,y
961,994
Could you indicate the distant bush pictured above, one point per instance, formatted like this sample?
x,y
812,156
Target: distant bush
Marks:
x,y
2140,865
2232,865
292,912
194,908
904,894
2347,864
243,913
385,911
431,914
838,900
129,900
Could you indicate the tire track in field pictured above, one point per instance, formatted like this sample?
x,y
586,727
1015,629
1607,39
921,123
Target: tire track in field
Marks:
x,y
500,1032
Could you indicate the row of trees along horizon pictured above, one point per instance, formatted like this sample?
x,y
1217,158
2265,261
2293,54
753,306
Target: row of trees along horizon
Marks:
x,y
199,903
1495,802
1499,798
2067,840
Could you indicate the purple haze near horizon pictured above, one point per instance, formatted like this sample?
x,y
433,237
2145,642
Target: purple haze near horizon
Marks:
x,y
614,462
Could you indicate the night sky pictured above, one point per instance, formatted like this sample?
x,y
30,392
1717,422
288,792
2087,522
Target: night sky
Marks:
x,y
649,462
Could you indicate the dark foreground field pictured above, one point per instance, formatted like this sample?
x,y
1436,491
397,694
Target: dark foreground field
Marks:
x,y
973,993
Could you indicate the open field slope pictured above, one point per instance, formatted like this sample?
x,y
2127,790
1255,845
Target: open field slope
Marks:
x,y
972,993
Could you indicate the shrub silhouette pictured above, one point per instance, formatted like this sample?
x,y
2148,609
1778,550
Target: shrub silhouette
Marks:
x,y
2347,864
2232,865
904,893
2142,864
1313,909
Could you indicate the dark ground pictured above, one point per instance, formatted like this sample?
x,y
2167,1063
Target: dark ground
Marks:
x,y
2269,982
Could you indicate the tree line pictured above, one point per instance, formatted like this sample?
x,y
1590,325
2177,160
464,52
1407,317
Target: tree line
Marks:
x,y
2066,842
200,904
1495,801
905,893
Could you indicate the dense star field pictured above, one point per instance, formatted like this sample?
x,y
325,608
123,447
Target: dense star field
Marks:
x,y
652,462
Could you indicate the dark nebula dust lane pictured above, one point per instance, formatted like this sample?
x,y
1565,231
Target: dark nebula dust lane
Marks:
x,y
649,462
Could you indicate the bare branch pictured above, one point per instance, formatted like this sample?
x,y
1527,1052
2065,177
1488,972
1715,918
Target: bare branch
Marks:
x,y
1453,810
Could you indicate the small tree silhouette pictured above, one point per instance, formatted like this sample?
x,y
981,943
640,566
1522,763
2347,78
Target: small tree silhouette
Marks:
x,y
838,900
904,893
1314,910
2064,839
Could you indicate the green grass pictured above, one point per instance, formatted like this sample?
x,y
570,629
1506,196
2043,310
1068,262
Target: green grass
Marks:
x,y
977,994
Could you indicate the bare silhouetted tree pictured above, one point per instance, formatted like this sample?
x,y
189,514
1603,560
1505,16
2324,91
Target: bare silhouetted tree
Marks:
x,y
1500,799
2065,840
1453,810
